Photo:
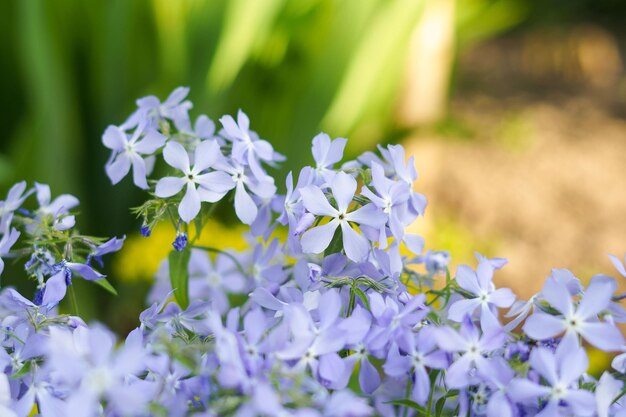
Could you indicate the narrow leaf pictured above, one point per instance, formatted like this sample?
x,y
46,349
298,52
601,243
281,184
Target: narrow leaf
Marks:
x,y
179,276
106,285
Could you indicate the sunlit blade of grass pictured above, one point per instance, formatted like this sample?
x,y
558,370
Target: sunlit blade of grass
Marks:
x,y
246,22
377,64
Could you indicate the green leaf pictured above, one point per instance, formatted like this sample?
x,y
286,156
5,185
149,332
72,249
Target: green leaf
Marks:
x,y
359,292
23,370
411,404
336,244
106,285
179,276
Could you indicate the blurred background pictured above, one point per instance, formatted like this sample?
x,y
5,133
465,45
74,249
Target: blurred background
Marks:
x,y
514,109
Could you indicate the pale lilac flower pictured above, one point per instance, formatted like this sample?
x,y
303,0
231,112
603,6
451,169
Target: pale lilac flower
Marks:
x,y
474,347
58,208
499,381
419,354
395,319
326,153
5,397
315,346
15,198
130,151
581,319
201,186
618,264
6,242
607,390
56,286
317,239
480,284
561,370
408,174
391,198
245,207
150,110
248,149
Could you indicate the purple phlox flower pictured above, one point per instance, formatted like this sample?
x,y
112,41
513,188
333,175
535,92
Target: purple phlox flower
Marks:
x,y
112,245
573,284
193,318
391,197
58,208
293,207
413,355
213,281
169,375
479,284
232,372
203,129
499,403
86,360
44,394
473,347
496,263
201,185
393,318
607,390
345,403
315,346
15,198
264,298
408,174
245,207
561,372
127,151
369,158
56,286
326,153
6,243
519,311
25,344
265,267
251,340
435,261
618,264
581,319
262,225
248,148
148,317
317,239
5,397
151,110
358,337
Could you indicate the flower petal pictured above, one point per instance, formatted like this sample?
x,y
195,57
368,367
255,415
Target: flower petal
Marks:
x,y
168,186
176,155
355,245
189,206
343,188
541,326
315,202
244,205
316,239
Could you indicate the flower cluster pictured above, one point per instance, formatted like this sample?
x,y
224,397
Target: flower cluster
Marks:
x,y
344,317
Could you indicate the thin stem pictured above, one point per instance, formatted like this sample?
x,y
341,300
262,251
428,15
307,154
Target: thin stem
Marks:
x,y
73,300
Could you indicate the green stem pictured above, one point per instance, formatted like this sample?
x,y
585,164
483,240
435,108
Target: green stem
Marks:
x,y
228,255
352,301
73,300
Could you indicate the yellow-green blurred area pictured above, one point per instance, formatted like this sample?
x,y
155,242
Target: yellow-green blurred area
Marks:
x,y
514,109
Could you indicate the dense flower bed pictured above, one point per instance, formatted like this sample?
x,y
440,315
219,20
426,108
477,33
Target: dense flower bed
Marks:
x,y
345,317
